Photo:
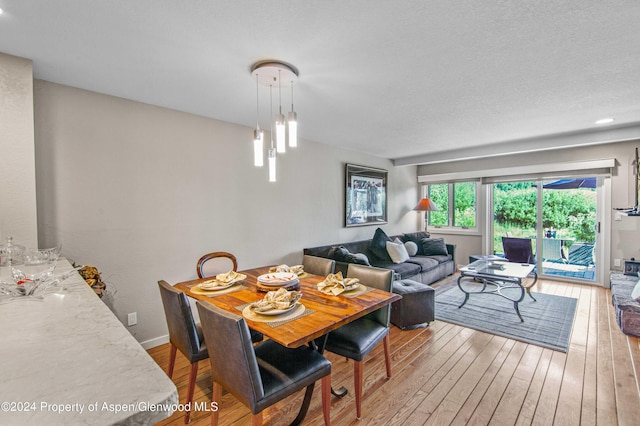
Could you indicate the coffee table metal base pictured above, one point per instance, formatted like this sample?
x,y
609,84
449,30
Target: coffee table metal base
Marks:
x,y
495,285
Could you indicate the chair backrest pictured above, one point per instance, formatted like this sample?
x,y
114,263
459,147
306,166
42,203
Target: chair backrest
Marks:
x,y
215,263
552,249
379,278
182,328
518,250
233,361
318,265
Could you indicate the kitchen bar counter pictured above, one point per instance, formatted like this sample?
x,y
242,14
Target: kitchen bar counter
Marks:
x,y
66,359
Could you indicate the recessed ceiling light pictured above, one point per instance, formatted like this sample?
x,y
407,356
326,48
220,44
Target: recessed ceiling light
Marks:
x,y
605,121
1,11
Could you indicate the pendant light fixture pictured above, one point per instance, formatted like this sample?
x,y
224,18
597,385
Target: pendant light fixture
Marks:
x,y
292,121
258,135
281,143
272,150
269,73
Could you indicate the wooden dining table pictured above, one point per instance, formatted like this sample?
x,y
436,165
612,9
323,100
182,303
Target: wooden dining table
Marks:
x,y
323,312
327,312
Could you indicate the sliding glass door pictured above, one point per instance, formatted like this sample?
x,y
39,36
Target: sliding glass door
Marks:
x,y
559,217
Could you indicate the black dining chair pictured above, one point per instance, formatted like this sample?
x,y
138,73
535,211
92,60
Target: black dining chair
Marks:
x,y
258,376
357,339
184,334
215,263
318,265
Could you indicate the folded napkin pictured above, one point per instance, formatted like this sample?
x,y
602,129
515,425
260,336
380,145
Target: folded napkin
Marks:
x,y
295,269
221,280
228,277
280,299
336,284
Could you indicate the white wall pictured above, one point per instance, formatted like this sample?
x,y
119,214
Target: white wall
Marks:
x,y
142,192
17,165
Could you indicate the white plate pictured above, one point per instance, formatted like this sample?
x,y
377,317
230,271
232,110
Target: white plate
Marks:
x,y
277,278
275,311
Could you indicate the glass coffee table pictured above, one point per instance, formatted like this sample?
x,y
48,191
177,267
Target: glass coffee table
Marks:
x,y
509,280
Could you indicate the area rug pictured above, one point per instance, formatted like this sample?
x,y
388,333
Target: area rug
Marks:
x,y
547,322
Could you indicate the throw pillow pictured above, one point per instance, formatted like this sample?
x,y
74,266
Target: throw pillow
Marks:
x,y
412,248
434,247
635,293
378,245
397,252
359,258
340,254
417,238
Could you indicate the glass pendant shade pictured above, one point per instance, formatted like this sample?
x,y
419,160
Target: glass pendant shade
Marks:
x,y
293,129
272,165
280,133
258,137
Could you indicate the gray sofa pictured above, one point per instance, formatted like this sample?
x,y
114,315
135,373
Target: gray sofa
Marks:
x,y
627,309
425,269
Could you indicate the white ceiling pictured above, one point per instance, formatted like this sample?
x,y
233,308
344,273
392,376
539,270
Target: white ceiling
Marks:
x,y
406,80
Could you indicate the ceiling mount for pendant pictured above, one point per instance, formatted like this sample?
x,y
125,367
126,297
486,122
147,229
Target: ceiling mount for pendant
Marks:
x,y
270,71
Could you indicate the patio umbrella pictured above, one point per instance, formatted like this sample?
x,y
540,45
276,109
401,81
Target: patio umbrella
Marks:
x,y
589,182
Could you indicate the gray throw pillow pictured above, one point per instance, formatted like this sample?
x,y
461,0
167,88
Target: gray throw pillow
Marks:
x,y
417,238
359,258
434,247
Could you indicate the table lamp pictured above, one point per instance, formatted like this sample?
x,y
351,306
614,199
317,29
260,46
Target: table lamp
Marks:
x,y
425,205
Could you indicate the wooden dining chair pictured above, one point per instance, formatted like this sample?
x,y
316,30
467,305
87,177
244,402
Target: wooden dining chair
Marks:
x,y
184,334
215,263
258,376
219,262
318,265
357,339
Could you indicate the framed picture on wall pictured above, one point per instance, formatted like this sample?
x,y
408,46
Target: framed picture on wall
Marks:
x,y
366,196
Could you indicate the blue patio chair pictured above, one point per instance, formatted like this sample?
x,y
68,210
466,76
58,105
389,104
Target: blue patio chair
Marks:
x,y
552,250
581,254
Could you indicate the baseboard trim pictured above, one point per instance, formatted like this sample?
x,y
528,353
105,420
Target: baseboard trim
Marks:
x,y
152,343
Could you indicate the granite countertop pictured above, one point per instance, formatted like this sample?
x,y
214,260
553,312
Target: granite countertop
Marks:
x,y
66,359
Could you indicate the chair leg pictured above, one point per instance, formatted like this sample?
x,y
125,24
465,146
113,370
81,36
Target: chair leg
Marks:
x,y
192,386
256,420
326,399
216,397
387,358
172,359
357,384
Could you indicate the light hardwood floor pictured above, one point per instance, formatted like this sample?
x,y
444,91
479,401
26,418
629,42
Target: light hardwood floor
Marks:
x,y
447,374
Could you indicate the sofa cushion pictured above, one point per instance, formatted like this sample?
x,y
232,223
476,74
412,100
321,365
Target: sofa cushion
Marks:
x,y
405,269
426,263
417,238
412,248
378,245
397,251
635,293
434,247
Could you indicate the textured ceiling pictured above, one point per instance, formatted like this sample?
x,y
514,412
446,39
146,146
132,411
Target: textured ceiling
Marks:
x,y
397,79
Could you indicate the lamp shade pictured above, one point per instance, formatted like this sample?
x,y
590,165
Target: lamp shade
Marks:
x,y
426,204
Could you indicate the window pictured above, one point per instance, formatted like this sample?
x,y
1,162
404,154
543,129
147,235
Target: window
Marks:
x,y
456,205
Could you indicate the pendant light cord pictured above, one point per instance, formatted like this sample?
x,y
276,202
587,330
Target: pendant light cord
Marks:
x,y
257,105
271,113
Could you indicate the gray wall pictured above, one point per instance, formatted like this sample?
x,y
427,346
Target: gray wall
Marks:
x,y
142,192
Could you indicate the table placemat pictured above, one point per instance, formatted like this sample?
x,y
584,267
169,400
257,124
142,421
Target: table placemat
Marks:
x,y
275,321
214,293
360,291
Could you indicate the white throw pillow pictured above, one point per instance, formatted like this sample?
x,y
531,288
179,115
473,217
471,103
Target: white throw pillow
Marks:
x,y
412,248
635,293
397,252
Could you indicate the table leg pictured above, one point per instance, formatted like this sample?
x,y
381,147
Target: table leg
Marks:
x,y
466,294
342,391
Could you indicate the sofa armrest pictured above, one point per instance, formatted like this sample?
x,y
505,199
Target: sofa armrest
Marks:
x,y
451,248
